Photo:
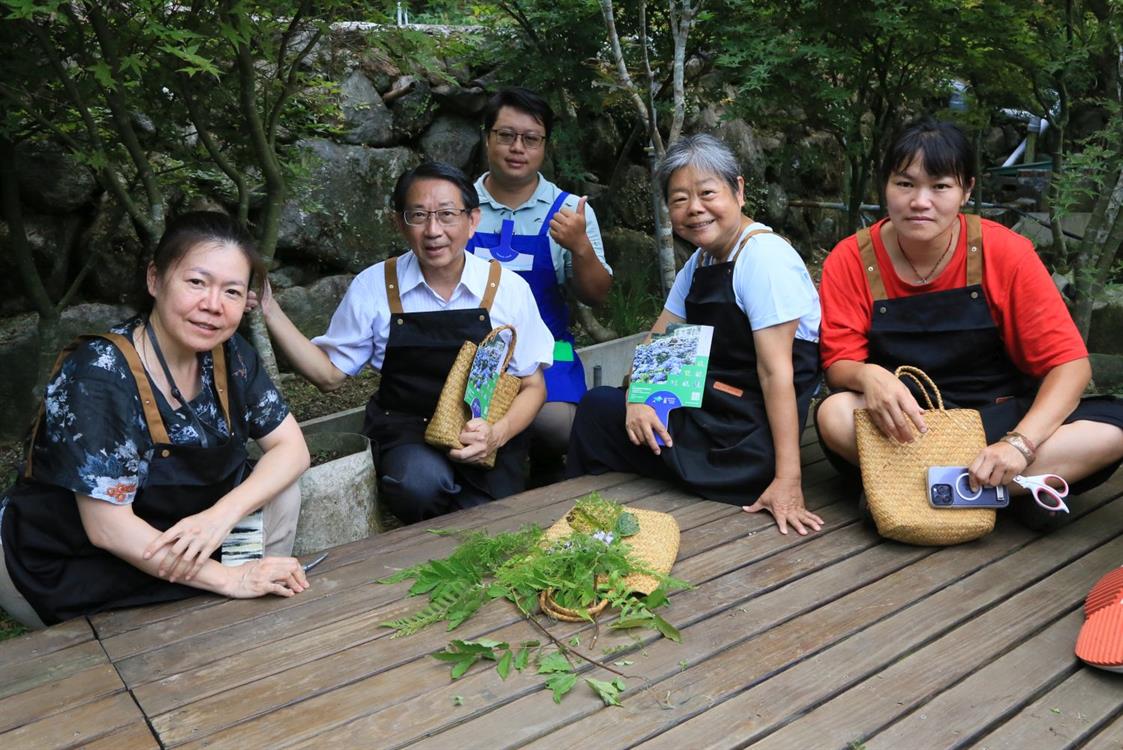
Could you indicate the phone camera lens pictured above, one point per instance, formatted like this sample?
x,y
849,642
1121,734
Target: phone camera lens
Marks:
x,y
941,494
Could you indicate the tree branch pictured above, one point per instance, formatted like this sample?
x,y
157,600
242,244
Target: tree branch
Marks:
x,y
221,159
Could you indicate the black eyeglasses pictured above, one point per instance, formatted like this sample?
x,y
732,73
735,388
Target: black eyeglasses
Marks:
x,y
531,141
446,217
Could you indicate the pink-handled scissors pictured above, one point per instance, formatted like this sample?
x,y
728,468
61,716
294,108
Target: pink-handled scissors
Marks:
x,y
1038,485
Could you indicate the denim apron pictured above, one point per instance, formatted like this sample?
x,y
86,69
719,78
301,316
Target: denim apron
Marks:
x,y
50,558
529,256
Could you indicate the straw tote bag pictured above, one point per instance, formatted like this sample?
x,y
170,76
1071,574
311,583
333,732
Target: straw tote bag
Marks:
x,y
452,413
895,475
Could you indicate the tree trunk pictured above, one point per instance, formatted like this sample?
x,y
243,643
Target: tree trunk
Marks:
x,y
1097,252
587,320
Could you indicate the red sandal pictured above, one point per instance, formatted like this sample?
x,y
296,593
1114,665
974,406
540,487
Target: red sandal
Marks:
x,y
1100,643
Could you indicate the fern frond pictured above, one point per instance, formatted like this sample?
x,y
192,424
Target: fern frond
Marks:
x,y
451,595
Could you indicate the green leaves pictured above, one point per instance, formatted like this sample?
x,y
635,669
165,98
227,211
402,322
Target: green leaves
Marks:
x,y
626,525
561,684
609,692
463,654
555,662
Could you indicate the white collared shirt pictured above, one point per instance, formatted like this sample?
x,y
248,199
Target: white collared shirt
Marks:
x,y
356,336
529,216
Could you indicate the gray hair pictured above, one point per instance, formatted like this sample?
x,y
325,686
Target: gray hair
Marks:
x,y
703,152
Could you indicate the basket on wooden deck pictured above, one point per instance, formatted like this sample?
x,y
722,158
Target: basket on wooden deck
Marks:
x,y
655,546
895,475
451,414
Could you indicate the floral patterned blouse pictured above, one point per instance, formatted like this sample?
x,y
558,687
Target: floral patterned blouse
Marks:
x,y
93,439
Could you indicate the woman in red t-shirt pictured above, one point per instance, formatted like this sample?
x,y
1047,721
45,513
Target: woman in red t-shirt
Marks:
x,y
969,302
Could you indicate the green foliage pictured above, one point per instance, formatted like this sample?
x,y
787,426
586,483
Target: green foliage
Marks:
x,y
579,570
609,692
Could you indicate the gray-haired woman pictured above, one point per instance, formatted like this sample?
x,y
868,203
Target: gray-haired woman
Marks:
x,y
742,445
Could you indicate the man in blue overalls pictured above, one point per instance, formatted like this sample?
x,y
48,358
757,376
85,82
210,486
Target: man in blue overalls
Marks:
x,y
548,237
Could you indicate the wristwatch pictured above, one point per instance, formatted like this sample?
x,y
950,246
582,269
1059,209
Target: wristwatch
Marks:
x,y
1024,445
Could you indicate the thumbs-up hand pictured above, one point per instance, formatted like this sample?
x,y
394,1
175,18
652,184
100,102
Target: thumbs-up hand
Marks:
x,y
567,228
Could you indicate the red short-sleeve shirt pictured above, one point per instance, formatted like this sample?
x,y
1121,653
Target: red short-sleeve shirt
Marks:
x,y
1031,317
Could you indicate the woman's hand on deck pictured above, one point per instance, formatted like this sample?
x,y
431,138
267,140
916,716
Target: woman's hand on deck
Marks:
x,y
643,424
282,576
479,439
783,498
187,545
891,404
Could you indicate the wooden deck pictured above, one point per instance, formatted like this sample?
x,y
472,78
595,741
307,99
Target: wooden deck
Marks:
x,y
835,640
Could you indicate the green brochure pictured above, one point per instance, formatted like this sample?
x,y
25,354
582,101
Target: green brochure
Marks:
x,y
487,366
670,370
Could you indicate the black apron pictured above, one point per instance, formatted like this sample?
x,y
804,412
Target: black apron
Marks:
x,y
949,334
50,559
420,351
952,336
723,449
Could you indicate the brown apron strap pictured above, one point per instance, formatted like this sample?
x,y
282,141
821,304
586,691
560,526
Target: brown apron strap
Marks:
x,y
152,416
222,383
974,250
869,263
745,241
392,293
492,285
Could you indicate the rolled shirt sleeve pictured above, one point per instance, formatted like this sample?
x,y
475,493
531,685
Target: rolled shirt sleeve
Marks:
x,y
352,341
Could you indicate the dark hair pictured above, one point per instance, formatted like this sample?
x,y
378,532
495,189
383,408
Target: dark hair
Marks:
x,y
525,101
943,147
194,228
435,170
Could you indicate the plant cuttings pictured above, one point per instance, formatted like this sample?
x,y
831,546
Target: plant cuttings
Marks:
x,y
580,570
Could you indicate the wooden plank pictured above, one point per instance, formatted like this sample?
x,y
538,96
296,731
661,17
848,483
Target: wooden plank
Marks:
x,y
1065,716
777,592
136,736
51,667
38,643
809,681
116,623
867,707
661,706
381,563
251,663
109,624
342,594
78,726
59,695
998,689
359,693
1109,738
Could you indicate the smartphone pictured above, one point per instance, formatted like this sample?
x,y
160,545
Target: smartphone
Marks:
x,y
950,487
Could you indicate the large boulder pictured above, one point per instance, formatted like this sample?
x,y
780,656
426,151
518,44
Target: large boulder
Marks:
x,y
310,307
631,201
451,140
1107,323
367,121
50,239
19,350
739,136
118,274
341,215
52,180
633,259
467,101
414,110
1107,374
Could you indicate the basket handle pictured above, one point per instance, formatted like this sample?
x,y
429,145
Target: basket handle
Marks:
x,y
510,349
917,374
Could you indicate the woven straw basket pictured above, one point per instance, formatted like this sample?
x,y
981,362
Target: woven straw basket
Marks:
x,y
895,475
451,414
655,545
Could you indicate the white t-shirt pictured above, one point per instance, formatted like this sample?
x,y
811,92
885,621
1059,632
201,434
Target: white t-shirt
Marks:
x,y
360,326
528,219
770,283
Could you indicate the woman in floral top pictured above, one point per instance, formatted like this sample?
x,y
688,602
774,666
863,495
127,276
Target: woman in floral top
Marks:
x,y
138,469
